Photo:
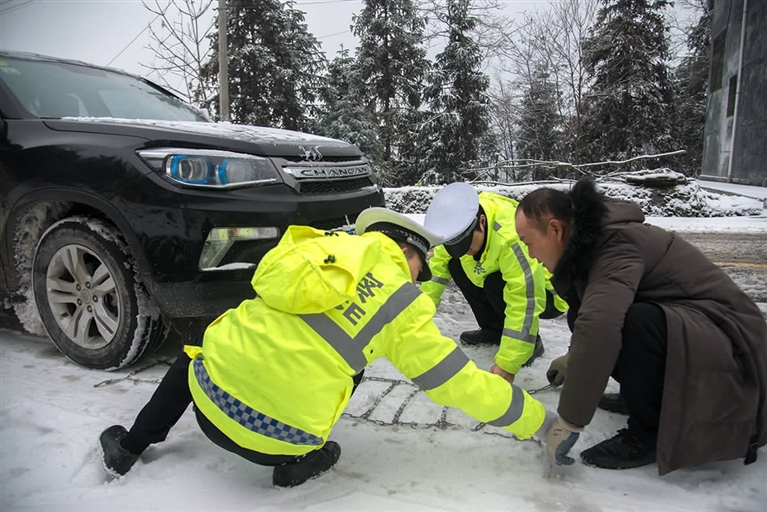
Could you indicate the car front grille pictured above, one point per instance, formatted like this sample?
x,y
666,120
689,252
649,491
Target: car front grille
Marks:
x,y
335,186
334,159
335,222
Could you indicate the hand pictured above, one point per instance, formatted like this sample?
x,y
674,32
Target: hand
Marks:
x,y
497,370
559,439
558,370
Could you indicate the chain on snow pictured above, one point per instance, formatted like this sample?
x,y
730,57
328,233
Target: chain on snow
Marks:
x,y
442,423
130,377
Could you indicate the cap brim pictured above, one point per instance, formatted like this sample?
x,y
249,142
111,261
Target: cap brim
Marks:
x,y
385,217
425,273
375,215
461,248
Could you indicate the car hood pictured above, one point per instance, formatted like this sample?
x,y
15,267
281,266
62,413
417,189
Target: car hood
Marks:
x,y
252,139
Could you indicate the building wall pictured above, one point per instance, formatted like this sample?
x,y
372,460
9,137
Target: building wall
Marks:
x,y
749,160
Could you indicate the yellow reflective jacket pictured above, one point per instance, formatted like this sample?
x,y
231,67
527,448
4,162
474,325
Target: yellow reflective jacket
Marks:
x,y
526,280
275,373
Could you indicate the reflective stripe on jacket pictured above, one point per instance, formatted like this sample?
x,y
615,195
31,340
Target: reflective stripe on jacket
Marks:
x,y
526,280
275,373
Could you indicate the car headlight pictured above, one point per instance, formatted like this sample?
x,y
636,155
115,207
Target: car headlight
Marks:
x,y
211,168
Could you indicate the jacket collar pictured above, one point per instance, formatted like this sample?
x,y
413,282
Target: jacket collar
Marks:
x,y
585,231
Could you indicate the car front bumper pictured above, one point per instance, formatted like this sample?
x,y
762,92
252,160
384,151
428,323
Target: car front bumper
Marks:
x,y
171,229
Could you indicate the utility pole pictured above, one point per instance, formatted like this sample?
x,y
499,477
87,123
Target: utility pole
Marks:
x,y
223,70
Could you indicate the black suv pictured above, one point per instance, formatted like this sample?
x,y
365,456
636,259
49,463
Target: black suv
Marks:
x,y
123,210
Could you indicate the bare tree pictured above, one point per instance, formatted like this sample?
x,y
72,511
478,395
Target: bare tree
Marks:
x,y
682,19
697,7
503,115
551,41
502,118
491,31
181,47
572,20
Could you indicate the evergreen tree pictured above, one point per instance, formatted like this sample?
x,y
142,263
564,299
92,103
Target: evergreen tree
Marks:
x,y
629,105
539,136
459,105
274,64
343,115
691,84
391,63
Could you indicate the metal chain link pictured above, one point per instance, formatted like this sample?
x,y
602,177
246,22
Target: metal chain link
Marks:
x,y
544,388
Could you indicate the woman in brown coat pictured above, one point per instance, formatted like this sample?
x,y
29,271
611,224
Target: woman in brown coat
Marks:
x,y
688,347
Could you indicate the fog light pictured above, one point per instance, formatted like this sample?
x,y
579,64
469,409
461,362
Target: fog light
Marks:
x,y
220,240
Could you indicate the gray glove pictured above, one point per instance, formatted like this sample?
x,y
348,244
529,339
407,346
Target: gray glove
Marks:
x,y
548,422
558,370
559,439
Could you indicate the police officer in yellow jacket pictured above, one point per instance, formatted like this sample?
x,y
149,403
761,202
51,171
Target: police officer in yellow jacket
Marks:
x,y
508,291
327,305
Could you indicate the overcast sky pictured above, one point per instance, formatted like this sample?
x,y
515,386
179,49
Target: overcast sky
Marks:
x,y
114,32
97,31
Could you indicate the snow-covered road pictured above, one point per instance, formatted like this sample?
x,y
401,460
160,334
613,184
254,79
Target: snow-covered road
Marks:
x,y
400,451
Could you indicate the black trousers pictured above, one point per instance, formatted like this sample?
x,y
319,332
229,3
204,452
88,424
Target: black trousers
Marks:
x,y
169,402
641,368
487,303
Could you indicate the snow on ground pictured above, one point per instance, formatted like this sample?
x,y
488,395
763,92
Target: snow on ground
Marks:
x,y
686,199
53,411
400,451
751,224
735,189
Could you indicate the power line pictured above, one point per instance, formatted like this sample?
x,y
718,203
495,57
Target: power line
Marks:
x,y
316,2
336,34
133,40
310,2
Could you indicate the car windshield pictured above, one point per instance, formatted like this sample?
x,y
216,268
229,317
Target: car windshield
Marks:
x,y
56,89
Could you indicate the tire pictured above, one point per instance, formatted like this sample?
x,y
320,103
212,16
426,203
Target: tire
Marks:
x,y
89,298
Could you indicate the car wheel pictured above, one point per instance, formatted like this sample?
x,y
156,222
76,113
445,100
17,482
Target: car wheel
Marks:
x,y
88,295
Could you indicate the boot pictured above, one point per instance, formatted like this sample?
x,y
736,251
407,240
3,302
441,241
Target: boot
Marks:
x,y
480,337
612,402
623,451
312,465
537,351
116,460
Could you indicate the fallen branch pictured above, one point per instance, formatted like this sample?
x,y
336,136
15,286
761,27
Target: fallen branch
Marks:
x,y
551,163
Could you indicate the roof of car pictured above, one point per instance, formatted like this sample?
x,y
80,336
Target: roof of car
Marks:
x,y
48,58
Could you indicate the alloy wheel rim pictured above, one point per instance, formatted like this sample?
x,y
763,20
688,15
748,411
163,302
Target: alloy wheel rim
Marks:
x,y
83,296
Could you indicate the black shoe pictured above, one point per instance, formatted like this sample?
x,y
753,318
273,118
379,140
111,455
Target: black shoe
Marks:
x,y
612,402
623,451
480,337
312,465
537,351
116,459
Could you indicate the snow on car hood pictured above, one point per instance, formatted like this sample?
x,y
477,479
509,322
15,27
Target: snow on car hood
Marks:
x,y
268,141
240,132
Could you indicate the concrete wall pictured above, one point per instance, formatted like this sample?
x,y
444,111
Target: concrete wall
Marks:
x,y
749,161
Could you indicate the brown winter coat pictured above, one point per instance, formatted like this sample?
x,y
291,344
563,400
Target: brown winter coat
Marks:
x,y
715,381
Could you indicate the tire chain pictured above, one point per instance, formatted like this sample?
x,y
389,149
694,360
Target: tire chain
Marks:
x,y
131,376
440,424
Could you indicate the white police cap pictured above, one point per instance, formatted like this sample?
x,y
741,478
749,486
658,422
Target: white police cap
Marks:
x,y
453,211
400,228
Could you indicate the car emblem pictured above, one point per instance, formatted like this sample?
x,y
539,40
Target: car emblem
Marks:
x,y
313,153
